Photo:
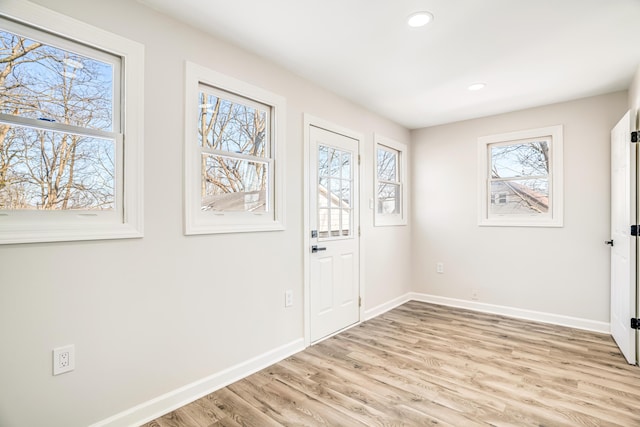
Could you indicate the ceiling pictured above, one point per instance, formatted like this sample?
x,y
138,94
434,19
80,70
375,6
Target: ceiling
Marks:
x,y
528,52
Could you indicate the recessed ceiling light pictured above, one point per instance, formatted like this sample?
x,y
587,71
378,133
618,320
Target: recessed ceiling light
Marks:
x,y
419,19
477,86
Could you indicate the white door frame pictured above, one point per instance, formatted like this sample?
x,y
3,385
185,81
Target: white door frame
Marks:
x,y
310,120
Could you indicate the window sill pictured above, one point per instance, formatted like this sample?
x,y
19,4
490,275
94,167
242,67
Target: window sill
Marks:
x,y
43,233
389,220
521,222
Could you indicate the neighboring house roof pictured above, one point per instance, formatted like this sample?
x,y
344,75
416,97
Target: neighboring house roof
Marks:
x,y
335,201
532,199
235,202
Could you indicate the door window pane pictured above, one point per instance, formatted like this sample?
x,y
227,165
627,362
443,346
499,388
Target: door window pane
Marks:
x,y
345,193
336,163
335,192
346,222
346,166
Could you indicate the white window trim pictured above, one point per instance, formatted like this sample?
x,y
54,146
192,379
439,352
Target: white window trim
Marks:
x,y
556,197
383,220
49,226
198,222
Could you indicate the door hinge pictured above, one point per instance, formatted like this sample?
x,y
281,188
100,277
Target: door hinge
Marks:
x,y
358,159
360,303
635,135
634,230
635,323
359,233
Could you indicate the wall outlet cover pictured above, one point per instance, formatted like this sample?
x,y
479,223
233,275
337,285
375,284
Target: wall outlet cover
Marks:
x,y
288,298
64,359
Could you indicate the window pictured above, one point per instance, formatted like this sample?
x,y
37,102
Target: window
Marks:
x,y
62,129
390,204
521,178
233,145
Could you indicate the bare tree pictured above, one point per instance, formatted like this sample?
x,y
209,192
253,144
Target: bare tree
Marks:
x,y
13,52
527,159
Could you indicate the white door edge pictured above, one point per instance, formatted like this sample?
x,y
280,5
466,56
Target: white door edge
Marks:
x,y
311,120
624,254
634,124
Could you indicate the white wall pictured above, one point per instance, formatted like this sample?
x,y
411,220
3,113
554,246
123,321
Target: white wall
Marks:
x,y
634,99
150,315
561,271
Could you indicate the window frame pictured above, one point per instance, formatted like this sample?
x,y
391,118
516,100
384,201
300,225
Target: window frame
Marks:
x,y
382,219
555,217
127,222
195,220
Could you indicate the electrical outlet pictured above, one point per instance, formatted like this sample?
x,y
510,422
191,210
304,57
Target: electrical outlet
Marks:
x,y
288,298
64,359
440,268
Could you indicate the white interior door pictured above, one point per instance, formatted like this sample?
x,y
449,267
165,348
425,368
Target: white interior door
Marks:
x,y
333,220
623,250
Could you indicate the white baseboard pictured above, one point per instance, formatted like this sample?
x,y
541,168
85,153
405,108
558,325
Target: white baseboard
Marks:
x,y
383,308
159,406
519,313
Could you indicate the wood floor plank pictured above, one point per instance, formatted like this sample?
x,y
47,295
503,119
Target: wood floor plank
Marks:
x,y
424,364
334,397
383,396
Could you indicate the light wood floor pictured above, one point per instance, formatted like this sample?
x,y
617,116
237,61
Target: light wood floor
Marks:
x,y
423,364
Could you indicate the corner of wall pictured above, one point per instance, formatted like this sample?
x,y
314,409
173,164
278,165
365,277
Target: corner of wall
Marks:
x,y
634,98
